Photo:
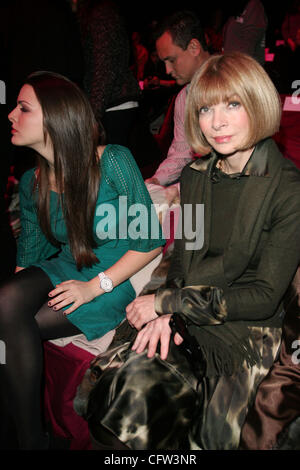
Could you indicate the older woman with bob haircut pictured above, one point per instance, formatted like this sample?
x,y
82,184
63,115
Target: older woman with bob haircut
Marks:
x,y
208,336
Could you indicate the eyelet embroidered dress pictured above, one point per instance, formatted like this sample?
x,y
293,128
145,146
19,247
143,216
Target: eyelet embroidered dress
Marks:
x,y
121,190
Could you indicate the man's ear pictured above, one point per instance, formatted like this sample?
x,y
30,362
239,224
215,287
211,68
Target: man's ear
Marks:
x,y
194,47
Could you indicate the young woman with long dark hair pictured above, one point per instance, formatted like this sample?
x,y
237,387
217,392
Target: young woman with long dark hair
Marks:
x,y
74,262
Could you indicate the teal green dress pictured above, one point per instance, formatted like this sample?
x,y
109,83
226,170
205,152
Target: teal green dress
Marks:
x,y
125,219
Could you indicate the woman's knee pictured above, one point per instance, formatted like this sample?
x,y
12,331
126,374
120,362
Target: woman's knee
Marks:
x,y
9,302
22,294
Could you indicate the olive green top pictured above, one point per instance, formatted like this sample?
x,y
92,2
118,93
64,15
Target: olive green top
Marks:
x,y
241,285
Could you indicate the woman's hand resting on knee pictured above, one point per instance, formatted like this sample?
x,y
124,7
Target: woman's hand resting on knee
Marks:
x,y
156,331
72,292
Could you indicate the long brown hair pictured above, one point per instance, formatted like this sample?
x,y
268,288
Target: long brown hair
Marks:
x,y
70,124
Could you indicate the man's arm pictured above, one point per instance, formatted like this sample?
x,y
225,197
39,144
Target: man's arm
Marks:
x,y
179,153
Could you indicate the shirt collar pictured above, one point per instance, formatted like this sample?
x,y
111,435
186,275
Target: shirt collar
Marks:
x,y
257,165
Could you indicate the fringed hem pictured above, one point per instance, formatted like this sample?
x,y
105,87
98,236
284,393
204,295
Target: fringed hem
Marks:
x,y
227,358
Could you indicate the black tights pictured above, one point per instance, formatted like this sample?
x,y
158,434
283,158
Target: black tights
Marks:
x,y
26,320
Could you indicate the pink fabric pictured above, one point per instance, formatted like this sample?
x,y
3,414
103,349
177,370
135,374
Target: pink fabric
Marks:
x,y
64,370
288,137
179,153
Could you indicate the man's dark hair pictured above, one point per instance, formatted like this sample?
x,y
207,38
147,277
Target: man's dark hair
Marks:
x,y
183,26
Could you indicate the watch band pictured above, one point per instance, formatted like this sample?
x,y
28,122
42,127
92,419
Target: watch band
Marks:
x,y
105,282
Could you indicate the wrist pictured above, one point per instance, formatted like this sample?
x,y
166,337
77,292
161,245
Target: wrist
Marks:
x,y
95,286
105,282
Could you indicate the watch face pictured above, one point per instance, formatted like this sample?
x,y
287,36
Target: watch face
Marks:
x,y
106,284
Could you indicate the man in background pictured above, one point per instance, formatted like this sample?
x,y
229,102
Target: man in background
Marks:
x,y
181,45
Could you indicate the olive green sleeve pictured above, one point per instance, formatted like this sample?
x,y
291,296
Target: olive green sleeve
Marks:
x,y
259,298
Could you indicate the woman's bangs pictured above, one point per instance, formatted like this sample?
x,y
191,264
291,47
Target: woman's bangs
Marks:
x,y
214,90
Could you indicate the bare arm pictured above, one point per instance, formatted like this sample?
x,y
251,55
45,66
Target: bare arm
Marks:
x,y
80,292
179,153
130,263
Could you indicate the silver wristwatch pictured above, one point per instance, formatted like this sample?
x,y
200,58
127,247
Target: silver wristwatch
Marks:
x,y
105,282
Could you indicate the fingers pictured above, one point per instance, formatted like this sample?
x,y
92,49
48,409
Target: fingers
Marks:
x,y
135,321
141,311
178,339
61,301
132,320
155,332
141,341
153,344
63,295
73,307
164,345
71,292
60,288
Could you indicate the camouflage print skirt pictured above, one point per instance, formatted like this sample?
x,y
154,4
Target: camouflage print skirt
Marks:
x,y
155,404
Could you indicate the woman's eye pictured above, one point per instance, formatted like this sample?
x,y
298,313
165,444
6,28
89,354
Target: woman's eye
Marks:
x,y
234,104
23,109
203,109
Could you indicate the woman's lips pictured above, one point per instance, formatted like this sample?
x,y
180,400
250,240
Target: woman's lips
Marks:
x,y
222,139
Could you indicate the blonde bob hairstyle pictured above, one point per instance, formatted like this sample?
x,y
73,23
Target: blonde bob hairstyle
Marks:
x,y
233,75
